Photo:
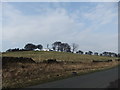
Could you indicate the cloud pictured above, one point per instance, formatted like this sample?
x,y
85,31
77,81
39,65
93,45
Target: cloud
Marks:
x,y
54,24
96,36
37,28
102,13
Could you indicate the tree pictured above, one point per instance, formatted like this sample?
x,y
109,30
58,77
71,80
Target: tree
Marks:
x,y
114,55
80,52
74,47
90,52
9,50
63,47
12,50
108,54
105,53
56,46
40,46
86,52
47,46
30,46
66,47
96,53
118,55
101,54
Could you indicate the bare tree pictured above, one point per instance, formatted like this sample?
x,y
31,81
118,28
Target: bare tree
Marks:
x,y
74,47
47,46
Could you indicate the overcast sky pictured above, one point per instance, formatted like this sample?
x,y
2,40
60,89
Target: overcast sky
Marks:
x,y
92,25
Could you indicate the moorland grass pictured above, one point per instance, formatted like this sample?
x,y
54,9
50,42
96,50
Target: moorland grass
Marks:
x,y
18,75
39,56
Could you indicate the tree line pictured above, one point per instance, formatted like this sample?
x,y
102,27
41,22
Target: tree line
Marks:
x,y
56,46
62,47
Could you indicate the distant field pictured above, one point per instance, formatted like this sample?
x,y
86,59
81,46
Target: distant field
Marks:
x,y
44,55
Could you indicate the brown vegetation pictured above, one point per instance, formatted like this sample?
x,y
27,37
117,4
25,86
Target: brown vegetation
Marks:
x,y
25,68
8,60
17,75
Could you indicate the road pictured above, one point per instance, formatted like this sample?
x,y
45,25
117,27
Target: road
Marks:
x,y
93,80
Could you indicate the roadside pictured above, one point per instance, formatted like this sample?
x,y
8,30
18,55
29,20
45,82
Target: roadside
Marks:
x,y
19,75
100,79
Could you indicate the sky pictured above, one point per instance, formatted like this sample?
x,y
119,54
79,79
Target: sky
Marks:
x,y
91,25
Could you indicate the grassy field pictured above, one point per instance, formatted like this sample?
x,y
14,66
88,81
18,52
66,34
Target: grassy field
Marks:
x,y
44,55
18,75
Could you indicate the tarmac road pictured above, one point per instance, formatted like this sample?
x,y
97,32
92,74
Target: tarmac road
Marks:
x,y
93,80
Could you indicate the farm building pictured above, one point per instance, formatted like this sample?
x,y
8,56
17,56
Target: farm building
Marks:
x,y
46,49
37,49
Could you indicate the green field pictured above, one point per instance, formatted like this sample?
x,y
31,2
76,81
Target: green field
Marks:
x,y
63,56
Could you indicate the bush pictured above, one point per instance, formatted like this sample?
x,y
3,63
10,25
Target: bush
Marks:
x,y
50,61
6,60
101,61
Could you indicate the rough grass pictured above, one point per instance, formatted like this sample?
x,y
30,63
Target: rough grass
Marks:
x,y
39,56
17,75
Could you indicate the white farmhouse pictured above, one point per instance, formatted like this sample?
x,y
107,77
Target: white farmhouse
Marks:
x,y
46,49
37,49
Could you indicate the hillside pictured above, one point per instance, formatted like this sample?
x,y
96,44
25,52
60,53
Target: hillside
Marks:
x,y
20,73
63,56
